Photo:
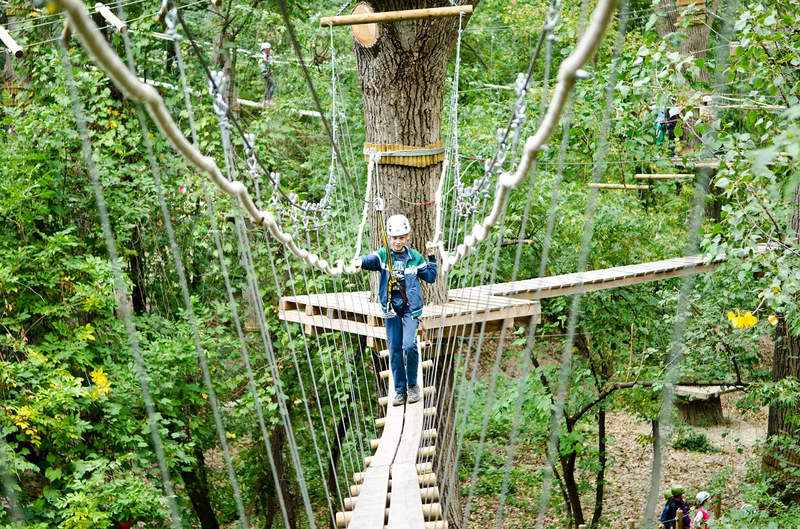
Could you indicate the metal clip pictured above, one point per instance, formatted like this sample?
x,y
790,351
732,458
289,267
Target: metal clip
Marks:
x,y
379,204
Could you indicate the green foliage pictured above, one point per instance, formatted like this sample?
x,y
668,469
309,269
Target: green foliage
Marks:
x,y
694,442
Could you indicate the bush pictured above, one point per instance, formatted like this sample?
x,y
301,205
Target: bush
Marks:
x,y
695,442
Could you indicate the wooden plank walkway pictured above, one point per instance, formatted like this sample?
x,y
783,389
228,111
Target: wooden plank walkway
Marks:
x,y
370,510
393,476
405,509
618,276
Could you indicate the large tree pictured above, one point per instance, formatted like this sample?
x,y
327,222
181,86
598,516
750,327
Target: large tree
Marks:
x,y
402,76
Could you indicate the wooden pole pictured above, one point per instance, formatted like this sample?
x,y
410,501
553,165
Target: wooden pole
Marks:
x,y
663,176
395,16
110,17
10,43
617,186
718,506
679,520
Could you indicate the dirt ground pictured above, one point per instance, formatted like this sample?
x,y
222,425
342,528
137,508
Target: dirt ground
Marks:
x,y
630,455
629,476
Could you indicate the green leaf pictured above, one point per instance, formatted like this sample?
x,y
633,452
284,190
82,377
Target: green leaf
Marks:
x,y
53,473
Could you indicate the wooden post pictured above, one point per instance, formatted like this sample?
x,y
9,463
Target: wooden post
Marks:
x,y
718,506
679,520
110,17
10,43
395,16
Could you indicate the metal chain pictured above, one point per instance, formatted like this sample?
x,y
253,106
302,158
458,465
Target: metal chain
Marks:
x,y
216,86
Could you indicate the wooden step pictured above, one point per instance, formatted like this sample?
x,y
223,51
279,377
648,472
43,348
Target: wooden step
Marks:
x,y
380,422
428,495
424,453
426,364
426,392
431,511
426,480
422,468
438,524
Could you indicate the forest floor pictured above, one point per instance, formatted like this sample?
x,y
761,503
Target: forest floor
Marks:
x,y
630,453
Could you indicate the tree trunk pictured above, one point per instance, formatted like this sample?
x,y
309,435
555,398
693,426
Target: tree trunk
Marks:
x,y
136,272
402,87
783,420
568,471
277,440
196,483
600,480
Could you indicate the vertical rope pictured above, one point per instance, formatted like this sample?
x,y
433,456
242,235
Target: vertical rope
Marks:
x,y
121,292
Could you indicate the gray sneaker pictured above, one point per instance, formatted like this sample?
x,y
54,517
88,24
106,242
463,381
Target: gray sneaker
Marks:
x,y
399,399
413,394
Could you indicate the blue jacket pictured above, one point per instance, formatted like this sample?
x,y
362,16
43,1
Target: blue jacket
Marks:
x,y
415,269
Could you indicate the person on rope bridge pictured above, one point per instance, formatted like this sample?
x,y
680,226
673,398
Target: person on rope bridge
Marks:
x,y
266,71
400,295
670,514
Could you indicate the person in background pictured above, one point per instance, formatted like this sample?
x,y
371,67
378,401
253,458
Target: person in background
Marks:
x,y
701,518
266,71
670,514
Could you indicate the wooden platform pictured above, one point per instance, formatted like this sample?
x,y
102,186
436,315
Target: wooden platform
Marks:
x,y
467,310
618,276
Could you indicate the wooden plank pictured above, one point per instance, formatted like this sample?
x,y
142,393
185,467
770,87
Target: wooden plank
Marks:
x,y
663,176
394,16
617,186
405,511
370,511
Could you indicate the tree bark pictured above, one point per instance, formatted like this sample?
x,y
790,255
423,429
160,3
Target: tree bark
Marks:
x,y
568,474
136,271
402,88
600,480
783,419
196,483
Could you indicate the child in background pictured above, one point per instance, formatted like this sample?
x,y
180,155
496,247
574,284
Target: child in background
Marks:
x,y
701,518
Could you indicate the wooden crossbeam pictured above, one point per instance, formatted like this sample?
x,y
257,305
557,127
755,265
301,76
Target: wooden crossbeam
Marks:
x,y
110,17
395,16
10,43
617,186
663,176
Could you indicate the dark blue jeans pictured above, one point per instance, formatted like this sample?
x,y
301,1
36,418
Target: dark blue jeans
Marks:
x,y
401,334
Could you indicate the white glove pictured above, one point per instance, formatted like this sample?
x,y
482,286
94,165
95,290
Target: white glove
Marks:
x,y
356,263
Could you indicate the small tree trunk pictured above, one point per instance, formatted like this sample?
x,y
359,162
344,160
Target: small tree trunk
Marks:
x,y
600,480
568,471
196,483
658,441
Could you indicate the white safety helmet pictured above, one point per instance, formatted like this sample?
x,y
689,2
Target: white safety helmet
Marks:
x,y
266,46
702,497
398,225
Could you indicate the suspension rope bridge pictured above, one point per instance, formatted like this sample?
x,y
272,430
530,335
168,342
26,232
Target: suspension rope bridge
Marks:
x,y
407,483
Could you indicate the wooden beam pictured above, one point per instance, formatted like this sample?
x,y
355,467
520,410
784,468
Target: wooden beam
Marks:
x,y
395,16
110,17
617,186
10,43
663,176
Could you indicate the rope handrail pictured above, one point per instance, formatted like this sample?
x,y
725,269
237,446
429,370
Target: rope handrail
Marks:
x,y
567,76
110,62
